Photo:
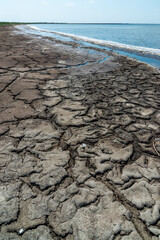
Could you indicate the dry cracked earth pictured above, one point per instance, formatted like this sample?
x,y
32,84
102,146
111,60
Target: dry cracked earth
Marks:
x,y
79,143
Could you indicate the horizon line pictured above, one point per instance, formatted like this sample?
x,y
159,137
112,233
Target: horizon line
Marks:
x,y
49,22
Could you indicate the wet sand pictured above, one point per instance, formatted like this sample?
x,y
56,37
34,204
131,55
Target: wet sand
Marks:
x,y
79,142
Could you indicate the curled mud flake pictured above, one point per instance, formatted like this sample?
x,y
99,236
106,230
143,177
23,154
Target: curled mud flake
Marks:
x,y
156,145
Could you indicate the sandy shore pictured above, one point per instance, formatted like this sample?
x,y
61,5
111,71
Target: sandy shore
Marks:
x,y
79,143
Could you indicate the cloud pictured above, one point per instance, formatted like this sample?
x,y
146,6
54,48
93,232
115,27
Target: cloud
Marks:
x,y
70,4
91,1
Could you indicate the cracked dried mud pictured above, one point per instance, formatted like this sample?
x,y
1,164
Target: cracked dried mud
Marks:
x,y
79,143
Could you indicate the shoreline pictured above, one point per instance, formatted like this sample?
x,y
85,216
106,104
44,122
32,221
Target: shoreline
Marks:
x,y
79,142
107,43
150,56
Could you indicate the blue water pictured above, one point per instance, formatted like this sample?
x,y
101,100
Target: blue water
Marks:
x,y
142,41
146,35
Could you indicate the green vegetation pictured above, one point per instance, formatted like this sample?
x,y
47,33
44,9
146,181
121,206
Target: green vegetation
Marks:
x,y
8,23
16,23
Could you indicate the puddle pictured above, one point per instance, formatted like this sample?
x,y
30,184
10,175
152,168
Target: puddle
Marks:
x,y
86,63
104,59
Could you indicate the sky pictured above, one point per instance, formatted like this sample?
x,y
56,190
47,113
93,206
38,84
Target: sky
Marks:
x,y
81,11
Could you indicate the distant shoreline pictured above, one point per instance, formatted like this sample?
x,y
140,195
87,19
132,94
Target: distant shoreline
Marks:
x,y
11,23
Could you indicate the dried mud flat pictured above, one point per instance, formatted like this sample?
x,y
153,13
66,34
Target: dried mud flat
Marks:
x,y
79,143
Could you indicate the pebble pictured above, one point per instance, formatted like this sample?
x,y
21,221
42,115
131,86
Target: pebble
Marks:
x,y
84,145
21,231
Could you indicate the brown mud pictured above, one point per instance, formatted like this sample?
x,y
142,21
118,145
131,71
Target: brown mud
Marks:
x,y
79,143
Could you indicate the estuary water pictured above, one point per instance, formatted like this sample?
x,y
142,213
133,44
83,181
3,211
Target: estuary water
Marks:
x,y
139,41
